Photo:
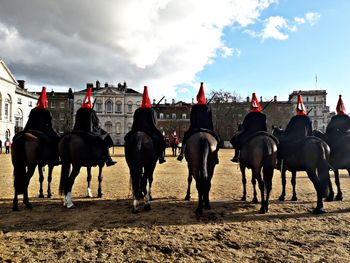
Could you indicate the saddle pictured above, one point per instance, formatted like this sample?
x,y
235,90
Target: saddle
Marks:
x,y
262,133
196,130
89,138
43,138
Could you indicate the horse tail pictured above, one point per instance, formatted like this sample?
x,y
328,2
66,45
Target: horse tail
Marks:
x,y
323,165
204,149
65,169
19,159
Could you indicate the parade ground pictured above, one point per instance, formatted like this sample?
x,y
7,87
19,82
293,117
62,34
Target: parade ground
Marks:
x,y
105,229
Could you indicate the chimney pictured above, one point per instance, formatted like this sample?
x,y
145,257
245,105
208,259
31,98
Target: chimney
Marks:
x,y
106,85
274,98
165,101
248,99
192,100
234,99
97,84
260,98
154,101
21,83
173,101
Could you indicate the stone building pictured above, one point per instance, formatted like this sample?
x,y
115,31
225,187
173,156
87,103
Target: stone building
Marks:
x,y
174,116
61,106
227,116
315,103
15,103
115,107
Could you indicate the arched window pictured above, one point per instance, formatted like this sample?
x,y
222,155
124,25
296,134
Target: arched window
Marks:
x,y
315,125
109,106
118,108
161,115
99,105
8,108
78,103
19,120
0,106
108,126
129,126
129,106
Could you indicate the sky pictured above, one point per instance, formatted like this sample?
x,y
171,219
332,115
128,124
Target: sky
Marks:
x,y
271,47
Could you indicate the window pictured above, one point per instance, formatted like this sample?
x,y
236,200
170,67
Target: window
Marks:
x,y
78,102
173,115
6,109
129,108
109,107
315,98
307,99
161,115
167,116
19,101
53,104
129,127
61,116
30,104
118,107
62,104
99,106
184,115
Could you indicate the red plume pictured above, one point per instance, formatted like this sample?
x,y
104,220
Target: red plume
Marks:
x,y
255,104
300,106
201,96
146,102
42,101
87,103
340,107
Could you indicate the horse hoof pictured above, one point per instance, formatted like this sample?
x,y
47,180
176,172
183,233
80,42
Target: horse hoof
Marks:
x,y
15,208
49,195
262,210
318,211
41,196
150,198
187,198
339,198
28,205
329,199
71,206
294,198
135,211
199,212
255,200
100,195
208,207
147,207
244,198
281,198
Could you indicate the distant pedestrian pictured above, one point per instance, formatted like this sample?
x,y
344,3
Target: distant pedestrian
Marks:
x,y
7,146
0,146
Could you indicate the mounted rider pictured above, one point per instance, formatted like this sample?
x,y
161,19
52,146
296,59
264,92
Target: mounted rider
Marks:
x,y
86,120
145,120
201,120
253,122
40,119
339,125
298,128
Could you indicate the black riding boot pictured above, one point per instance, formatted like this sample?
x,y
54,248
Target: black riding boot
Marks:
x,y
161,157
109,161
235,157
181,155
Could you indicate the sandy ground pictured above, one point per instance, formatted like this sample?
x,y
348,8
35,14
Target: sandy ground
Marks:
x,y
105,230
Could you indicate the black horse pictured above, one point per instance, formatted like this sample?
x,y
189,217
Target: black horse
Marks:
x,y
201,155
141,157
339,159
79,149
259,153
28,150
311,155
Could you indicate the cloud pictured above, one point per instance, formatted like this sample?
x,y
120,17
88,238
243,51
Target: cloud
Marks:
x,y
312,18
277,27
159,43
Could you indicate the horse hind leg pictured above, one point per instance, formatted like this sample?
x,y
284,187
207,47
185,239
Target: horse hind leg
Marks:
x,y
49,180
189,182
316,182
255,198
41,180
257,174
294,182
88,191
268,175
339,196
69,185
244,183
30,173
100,179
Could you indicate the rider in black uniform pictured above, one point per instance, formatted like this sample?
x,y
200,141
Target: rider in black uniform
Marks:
x,y
253,122
145,120
86,120
40,119
201,120
298,128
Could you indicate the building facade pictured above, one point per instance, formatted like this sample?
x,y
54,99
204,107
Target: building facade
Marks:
x,y
174,116
115,107
61,106
315,104
15,103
